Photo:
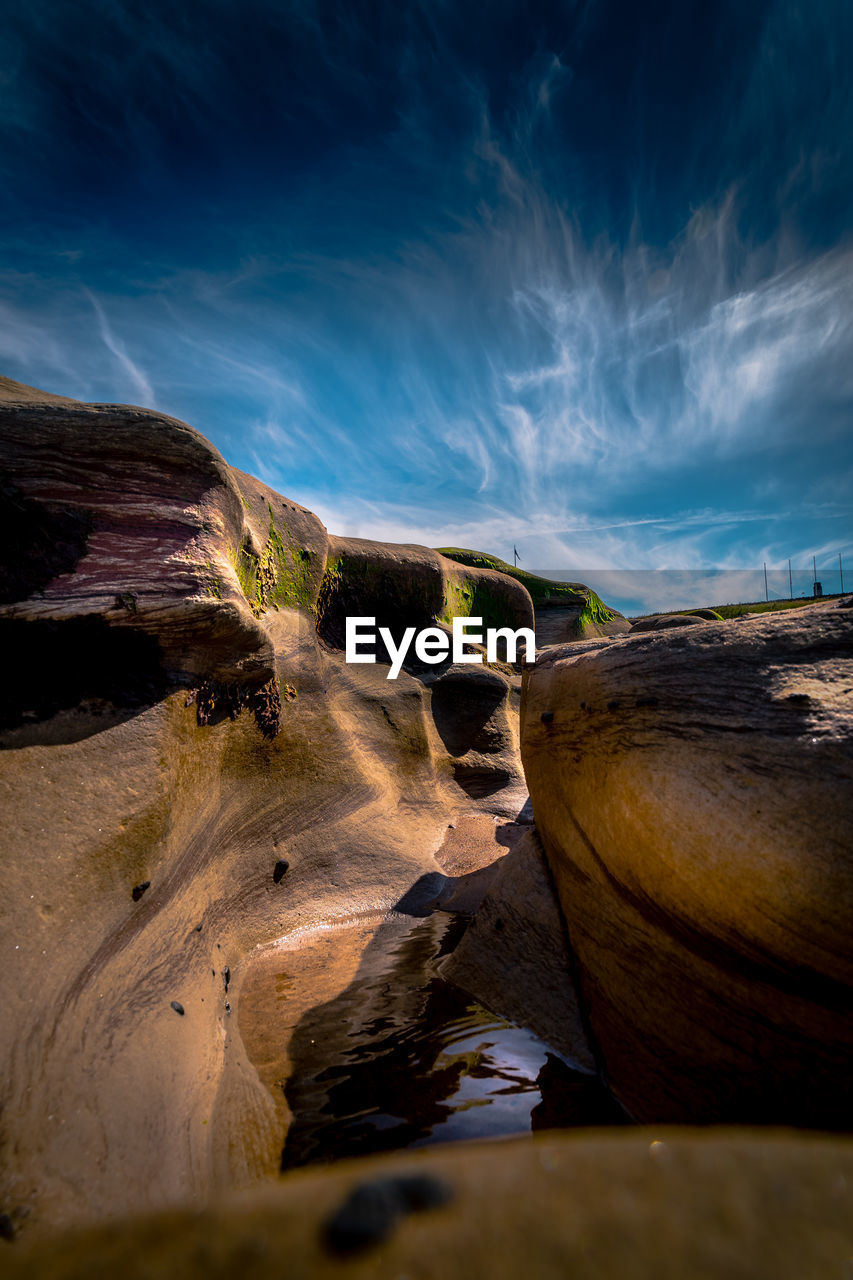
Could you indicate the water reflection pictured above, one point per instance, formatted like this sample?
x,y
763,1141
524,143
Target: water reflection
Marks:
x,y
402,1058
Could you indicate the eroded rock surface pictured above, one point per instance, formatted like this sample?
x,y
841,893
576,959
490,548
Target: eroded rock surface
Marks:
x,y
175,721
694,794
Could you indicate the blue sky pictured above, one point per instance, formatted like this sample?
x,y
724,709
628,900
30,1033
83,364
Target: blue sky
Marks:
x,y
573,277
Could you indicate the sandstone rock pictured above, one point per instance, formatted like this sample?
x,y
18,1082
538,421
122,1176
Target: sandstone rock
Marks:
x,y
694,794
666,622
514,959
659,1205
565,611
561,624
173,717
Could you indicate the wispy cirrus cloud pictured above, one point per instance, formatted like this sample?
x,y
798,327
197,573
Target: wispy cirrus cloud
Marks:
x,y
133,374
456,281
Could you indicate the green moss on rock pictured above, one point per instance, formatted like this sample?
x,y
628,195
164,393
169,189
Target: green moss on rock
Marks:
x,y
280,577
594,611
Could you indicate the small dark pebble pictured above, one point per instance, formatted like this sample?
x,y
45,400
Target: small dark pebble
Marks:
x,y
138,890
198,928
547,717
373,1209
280,867
213,971
227,1007
226,976
178,1007
7,1227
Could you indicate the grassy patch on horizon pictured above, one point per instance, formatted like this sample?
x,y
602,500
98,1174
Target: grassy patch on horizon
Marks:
x,y
725,611
768,606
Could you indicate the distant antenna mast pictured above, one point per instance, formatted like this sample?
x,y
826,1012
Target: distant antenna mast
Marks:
x,y
841,572
766,595
790,581
814,570
515,555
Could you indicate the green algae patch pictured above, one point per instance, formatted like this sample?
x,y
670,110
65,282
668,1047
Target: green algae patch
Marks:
x,y
281,577
595,611
470,597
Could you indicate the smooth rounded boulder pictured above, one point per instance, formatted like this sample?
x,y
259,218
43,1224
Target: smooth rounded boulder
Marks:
x,y
694,794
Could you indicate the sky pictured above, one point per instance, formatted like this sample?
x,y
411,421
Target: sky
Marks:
x,y
575,278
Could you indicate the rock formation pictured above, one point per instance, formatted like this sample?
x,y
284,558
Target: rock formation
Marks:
x,y
565,611
515,958
190,770
694,794
195,783
665,622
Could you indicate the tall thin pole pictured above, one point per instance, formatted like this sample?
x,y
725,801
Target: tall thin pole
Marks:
x,y
766,596
814,568
790,581
841,572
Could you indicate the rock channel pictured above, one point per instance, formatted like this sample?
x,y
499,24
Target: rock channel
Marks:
x,y
192,777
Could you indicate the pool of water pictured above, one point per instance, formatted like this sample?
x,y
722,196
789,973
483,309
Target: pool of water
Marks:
x,y
402,1058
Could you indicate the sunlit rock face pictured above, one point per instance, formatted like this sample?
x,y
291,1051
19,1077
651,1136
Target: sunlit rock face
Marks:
x,y
694,794
190,770
565,625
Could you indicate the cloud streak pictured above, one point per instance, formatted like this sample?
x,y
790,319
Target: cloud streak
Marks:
x,y
453,281
132,372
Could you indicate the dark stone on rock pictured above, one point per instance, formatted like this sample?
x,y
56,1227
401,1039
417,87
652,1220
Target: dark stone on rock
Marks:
x,y
178,1007
373,1209
280,868
547,717
138,890
7,1227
